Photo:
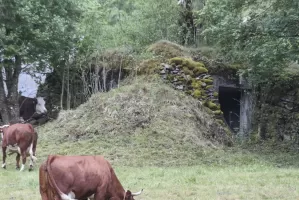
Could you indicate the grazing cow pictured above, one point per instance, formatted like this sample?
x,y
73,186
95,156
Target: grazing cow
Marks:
x,y
80,177
20,139
32,107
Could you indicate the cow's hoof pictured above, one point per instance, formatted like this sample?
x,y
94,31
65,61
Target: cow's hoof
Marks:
x,y
22,168
17,168
4,165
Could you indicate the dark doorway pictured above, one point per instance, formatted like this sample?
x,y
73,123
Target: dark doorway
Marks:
x,y
229,99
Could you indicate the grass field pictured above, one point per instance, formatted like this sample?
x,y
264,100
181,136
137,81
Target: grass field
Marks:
x,y
229,175
163,141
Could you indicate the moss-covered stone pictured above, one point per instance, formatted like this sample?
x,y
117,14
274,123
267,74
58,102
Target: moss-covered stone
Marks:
x,y
221,122
218,112
176,61
197,93
196,67
170,77
215,94
208,81
150,66
187,71
212,105
209,87
196,84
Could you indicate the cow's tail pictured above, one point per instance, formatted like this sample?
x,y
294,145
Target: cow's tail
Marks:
x,y
53,184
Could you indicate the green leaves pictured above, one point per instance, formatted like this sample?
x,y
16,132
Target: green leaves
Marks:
x,y
261,34
37,29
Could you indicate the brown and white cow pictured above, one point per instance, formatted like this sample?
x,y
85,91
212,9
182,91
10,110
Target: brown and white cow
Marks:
x,y
80,177
20,139
32,107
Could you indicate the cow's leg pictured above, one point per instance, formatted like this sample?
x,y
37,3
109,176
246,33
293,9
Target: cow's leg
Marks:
x,y
18,161
31,164
4,157
23,154
32,149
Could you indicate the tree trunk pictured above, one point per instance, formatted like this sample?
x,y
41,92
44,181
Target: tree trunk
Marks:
x,y
12,89
187,24
68,95
3,104
62,89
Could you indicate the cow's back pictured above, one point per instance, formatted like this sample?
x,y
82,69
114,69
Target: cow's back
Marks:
x,y
85,173
17,132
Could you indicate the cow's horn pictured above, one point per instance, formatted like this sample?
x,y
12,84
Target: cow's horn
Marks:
x,y
137,193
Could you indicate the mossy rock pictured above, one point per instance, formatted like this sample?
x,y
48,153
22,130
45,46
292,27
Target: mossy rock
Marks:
x,y
221,122
218,112
215,94
170,77
209,87
196,93
212,105
204,96
187,71
207,81
150,66
196,67
180,78
177,61
196,84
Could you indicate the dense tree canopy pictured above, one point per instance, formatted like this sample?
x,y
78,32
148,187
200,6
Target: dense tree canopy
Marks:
x,y
262,35
31,32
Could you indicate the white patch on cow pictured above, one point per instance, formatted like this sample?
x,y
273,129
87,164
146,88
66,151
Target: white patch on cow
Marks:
x,y
40,106
22,167
33,158
3,165
70,196
91,197
19,150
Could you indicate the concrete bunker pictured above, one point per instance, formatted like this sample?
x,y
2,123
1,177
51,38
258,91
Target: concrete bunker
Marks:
x,y
236,103
229,99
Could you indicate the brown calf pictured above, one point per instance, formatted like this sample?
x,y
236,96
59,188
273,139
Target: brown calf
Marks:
x,y
20,139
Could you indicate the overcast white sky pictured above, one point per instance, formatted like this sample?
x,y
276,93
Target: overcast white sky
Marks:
x,y
27,85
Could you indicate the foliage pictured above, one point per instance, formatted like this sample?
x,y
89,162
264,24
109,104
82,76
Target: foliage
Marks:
x,y
36,30
33,33
260,34
116,23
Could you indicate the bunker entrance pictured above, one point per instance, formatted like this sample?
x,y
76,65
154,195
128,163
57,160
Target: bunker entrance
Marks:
x,y
229,99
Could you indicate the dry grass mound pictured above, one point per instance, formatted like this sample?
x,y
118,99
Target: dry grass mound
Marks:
x,y
167,49
146,121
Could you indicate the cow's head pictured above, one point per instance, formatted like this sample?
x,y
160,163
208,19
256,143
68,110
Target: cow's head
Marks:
x,y
40,106
130,195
